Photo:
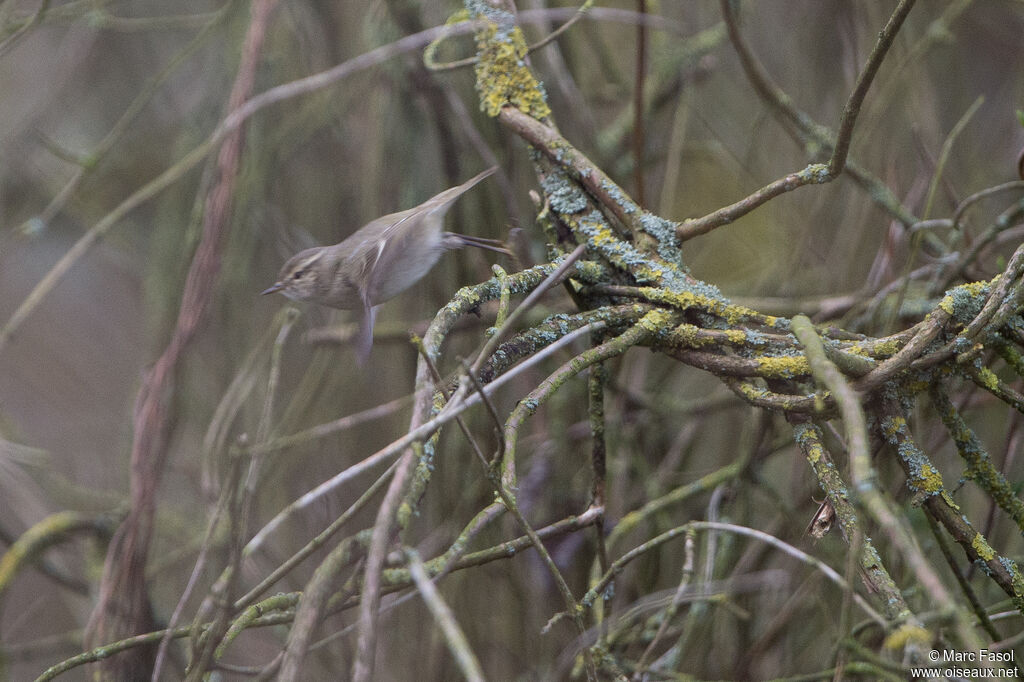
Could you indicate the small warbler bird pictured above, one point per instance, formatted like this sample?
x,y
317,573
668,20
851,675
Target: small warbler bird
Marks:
x,y
379,261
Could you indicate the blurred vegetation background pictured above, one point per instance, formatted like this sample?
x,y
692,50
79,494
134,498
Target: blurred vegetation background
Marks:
x,y
101,97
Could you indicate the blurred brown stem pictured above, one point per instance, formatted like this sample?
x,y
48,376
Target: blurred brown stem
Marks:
x,y
123,605
638,104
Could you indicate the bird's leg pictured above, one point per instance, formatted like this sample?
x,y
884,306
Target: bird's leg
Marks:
x,y
453,240
364,341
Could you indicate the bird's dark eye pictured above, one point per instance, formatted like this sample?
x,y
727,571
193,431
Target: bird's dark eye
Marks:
x,y
297,275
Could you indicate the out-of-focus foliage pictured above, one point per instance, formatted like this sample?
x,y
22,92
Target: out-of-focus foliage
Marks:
x,y
100,98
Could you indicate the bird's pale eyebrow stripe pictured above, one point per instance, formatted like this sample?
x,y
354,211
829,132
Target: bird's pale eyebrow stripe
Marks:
x,y
312,259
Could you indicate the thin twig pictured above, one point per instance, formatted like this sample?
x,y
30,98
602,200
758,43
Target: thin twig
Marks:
x,y
804,127
369,602
846,124
620,563
534,16
421,433
313,545
178,170
814,173
638,105
551,281
453,635
228,490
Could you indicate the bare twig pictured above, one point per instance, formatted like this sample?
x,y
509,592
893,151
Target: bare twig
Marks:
x,y
885,39
681,531
453,635
814,173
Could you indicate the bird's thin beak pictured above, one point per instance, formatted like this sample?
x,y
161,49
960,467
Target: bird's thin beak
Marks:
x,y
269,290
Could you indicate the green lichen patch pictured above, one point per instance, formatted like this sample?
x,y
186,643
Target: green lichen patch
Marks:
x,y
808,437
564,196
816,173
627,257
892,428
963,303
664,233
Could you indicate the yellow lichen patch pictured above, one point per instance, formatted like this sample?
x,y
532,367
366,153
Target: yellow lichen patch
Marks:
x,y
784,367
814,451
915,387
959,429
929,480
982,287
601,234
1017,580
649,273
981,546
502,76
887,347
751,392
907,634
736,336
687,335
893,426
685,300
404,514
961,294
946,304
988,379
655,320
856,349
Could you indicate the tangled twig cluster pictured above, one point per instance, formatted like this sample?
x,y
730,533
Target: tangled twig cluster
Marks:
x,y
846,396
